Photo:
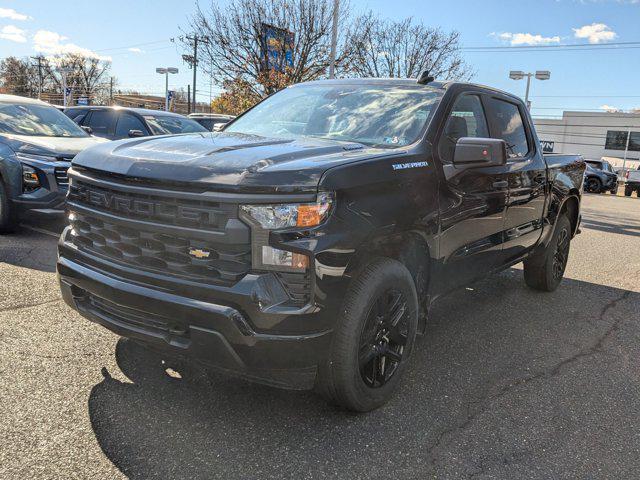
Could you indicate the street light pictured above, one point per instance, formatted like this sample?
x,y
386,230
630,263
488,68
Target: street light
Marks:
x,y
166,72
519,75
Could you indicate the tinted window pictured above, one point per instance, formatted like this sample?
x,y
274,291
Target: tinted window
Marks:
x,y
169,124
508,126
467,119
206,123
101,122
127,122
617,140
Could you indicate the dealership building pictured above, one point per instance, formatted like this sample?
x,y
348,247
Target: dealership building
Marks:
x,y
594,135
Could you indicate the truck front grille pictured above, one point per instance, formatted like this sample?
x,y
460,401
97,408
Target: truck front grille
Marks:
x,y
185,238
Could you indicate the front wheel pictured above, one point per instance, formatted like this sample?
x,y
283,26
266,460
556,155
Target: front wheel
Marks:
x,y
544,271
593,185
373,338
628,192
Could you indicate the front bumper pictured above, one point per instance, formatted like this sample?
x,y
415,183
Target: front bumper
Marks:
x,y
50,196
218,328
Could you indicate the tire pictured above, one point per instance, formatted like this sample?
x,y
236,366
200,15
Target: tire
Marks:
x,y
544,271
614,191
365,364
593,185
8,215
628,192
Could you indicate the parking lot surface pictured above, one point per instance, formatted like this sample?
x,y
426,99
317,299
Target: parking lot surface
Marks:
x,y
507,383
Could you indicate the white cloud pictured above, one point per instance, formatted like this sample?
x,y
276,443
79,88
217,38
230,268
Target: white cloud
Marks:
x,y
11,14
610,109
52,43
526,38
595,33
13,33
135,50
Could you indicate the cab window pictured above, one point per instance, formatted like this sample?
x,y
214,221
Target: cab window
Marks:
x,y
467,119
508,125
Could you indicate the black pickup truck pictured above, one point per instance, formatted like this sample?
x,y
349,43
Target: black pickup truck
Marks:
x,y
303,245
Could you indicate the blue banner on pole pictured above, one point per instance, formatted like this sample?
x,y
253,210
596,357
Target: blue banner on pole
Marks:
x,y
277,47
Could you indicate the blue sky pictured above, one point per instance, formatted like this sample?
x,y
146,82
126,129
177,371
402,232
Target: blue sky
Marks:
x,y
135,36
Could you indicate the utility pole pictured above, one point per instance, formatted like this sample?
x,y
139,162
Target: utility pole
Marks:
x,y
39,59
626,150
111,91
188,98
334,39
192,60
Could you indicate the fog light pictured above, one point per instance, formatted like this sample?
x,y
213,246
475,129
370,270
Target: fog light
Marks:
x,y
284,258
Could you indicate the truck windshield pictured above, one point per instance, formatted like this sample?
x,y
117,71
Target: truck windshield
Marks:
x,y
37,121
376,115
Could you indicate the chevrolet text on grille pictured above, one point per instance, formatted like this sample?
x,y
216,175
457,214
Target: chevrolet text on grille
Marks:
x,y
127,204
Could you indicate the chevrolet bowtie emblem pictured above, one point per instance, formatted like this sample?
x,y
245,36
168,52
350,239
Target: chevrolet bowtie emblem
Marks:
x,y
199,253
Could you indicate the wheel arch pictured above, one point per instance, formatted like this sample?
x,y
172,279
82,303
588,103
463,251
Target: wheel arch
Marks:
x,y
409,248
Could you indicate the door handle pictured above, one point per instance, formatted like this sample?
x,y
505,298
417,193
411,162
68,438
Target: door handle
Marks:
x,y
501,184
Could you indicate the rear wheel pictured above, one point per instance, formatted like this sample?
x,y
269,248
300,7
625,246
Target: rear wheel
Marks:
x,y
628,191
373,338
8,215
545,270
593,185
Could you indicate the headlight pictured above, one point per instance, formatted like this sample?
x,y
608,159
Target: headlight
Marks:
x,y
304,215
30,179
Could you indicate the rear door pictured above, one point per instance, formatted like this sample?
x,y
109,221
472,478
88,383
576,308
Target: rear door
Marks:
x,y
526,174
472,200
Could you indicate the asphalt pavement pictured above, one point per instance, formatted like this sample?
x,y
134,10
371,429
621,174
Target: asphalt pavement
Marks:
x,y
507,383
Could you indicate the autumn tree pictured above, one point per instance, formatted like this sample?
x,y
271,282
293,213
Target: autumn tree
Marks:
x,y
232,40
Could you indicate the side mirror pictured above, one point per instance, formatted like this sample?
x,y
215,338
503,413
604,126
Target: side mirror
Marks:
x,y
136,133
474,152
87,129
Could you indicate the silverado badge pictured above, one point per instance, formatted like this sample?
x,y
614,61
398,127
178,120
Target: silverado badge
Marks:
x,y
199,253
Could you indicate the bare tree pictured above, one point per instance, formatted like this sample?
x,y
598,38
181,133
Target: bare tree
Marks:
x,y
405,49
18,76
232,49
89,76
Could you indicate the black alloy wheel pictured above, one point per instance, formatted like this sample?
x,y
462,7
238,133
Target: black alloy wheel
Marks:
x,y
383,339
561,255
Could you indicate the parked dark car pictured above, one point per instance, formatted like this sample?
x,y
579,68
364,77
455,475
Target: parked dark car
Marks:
x,y
303,245
211,121
115,123
37,143
600,177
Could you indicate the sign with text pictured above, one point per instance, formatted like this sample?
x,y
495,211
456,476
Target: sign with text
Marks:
x,y
547,146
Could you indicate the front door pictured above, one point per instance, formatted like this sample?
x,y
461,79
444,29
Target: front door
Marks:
x,y
472,202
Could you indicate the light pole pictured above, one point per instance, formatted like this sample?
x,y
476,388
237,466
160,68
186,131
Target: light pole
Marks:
x,y
519,75
166,72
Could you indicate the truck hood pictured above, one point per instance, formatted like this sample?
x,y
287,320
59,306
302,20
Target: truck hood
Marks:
x,y
66,147
227,161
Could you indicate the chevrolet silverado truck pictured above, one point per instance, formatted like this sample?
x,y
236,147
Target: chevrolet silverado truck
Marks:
x,y
303,245
37,143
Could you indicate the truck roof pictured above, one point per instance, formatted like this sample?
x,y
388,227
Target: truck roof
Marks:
x,y
441,85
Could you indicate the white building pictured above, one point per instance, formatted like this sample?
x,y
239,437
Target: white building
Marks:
x,y
594,135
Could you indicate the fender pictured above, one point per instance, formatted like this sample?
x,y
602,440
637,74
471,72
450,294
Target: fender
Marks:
x,y
10,171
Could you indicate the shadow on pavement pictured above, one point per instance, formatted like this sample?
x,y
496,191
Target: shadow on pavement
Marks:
x,y
484,345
